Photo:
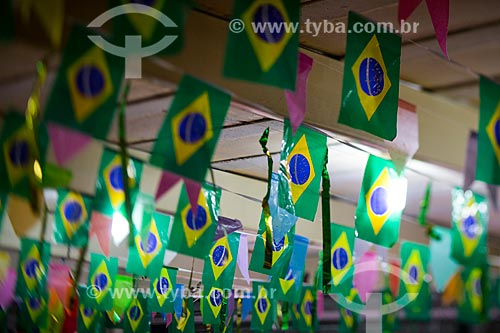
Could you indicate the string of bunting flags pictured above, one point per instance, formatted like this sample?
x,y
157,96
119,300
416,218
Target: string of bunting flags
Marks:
x,y
80,109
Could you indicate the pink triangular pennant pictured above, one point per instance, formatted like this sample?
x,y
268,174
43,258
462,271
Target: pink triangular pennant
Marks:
x,y
406,8
7,288
193,192
169,320
366,275
167,181
297,101
66,143
320,304
59,280
100,225
243,257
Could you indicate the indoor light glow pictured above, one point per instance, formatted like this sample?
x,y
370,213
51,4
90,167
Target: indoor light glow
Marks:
x,y
397,194
119,229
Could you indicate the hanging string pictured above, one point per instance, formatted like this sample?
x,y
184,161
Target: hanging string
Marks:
x,y
268,257
327,241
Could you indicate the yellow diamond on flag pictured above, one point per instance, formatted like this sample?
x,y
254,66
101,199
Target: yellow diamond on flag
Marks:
x,y
192,128
347,314
183,320
195,226
370,74
493,130
145,24
267,41
101,282
288,282
278,248
18,150
220,256
163,286
35,306
307,307
470,227
149,249
341,259
416,273
73,213
113,179
135,313
87,314
214,299
262,305
32,268
377,201
89,83
474,290
300,168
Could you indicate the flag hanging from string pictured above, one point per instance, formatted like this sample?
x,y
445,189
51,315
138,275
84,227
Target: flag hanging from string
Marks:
x,y
33,268
163,290
101,281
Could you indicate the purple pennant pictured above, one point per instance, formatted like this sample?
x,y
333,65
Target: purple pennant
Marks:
x,y
225,223
297,101
230,308
167,181
243,257
7,288
66,143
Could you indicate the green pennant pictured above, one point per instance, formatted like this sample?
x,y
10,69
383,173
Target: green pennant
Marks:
x,y
281,254
33,268
101,281
414,262
348,319
370,88
189,134
86,87
342,267
150,29
270,57
220,263
302,157
162,288
424,205
381,202
307,310
72,218
121,299
488,139
136,318
469,228
89,320
110,195
194,234
471,304
145,257
263,307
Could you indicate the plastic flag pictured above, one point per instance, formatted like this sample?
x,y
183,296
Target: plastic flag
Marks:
x,y
342,267
102,279
33,268
263,308
163,289
470,306
443,267
220,264
136,319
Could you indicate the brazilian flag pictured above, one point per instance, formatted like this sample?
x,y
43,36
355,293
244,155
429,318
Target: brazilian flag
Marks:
x,y
33,268
212,304
370,88
189,134
136,319
101,281
282,251
348,319
381,202
471,305
163,290
72,218
192,234
145,257
121,300
185,322
488,140
342,267
414,262
89,320
35,312
220,263
150,28
110,194
86,88
263,307
469,228
307,309
302,159
268,47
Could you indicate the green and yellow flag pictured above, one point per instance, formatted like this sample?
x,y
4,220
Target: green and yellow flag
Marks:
x,y
136,319
381,202
145,257
110,194
370,89
269,46
390,322
342,268
349,319
469,228
150,28
33,268
86,88
16,159
470,306
282,251
193,234
72,218
89,320
302,158
488,139
263,308
121,299
34,312
163,290
189,134
184,323
101,281
414,262
307,308
211,304
220,263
